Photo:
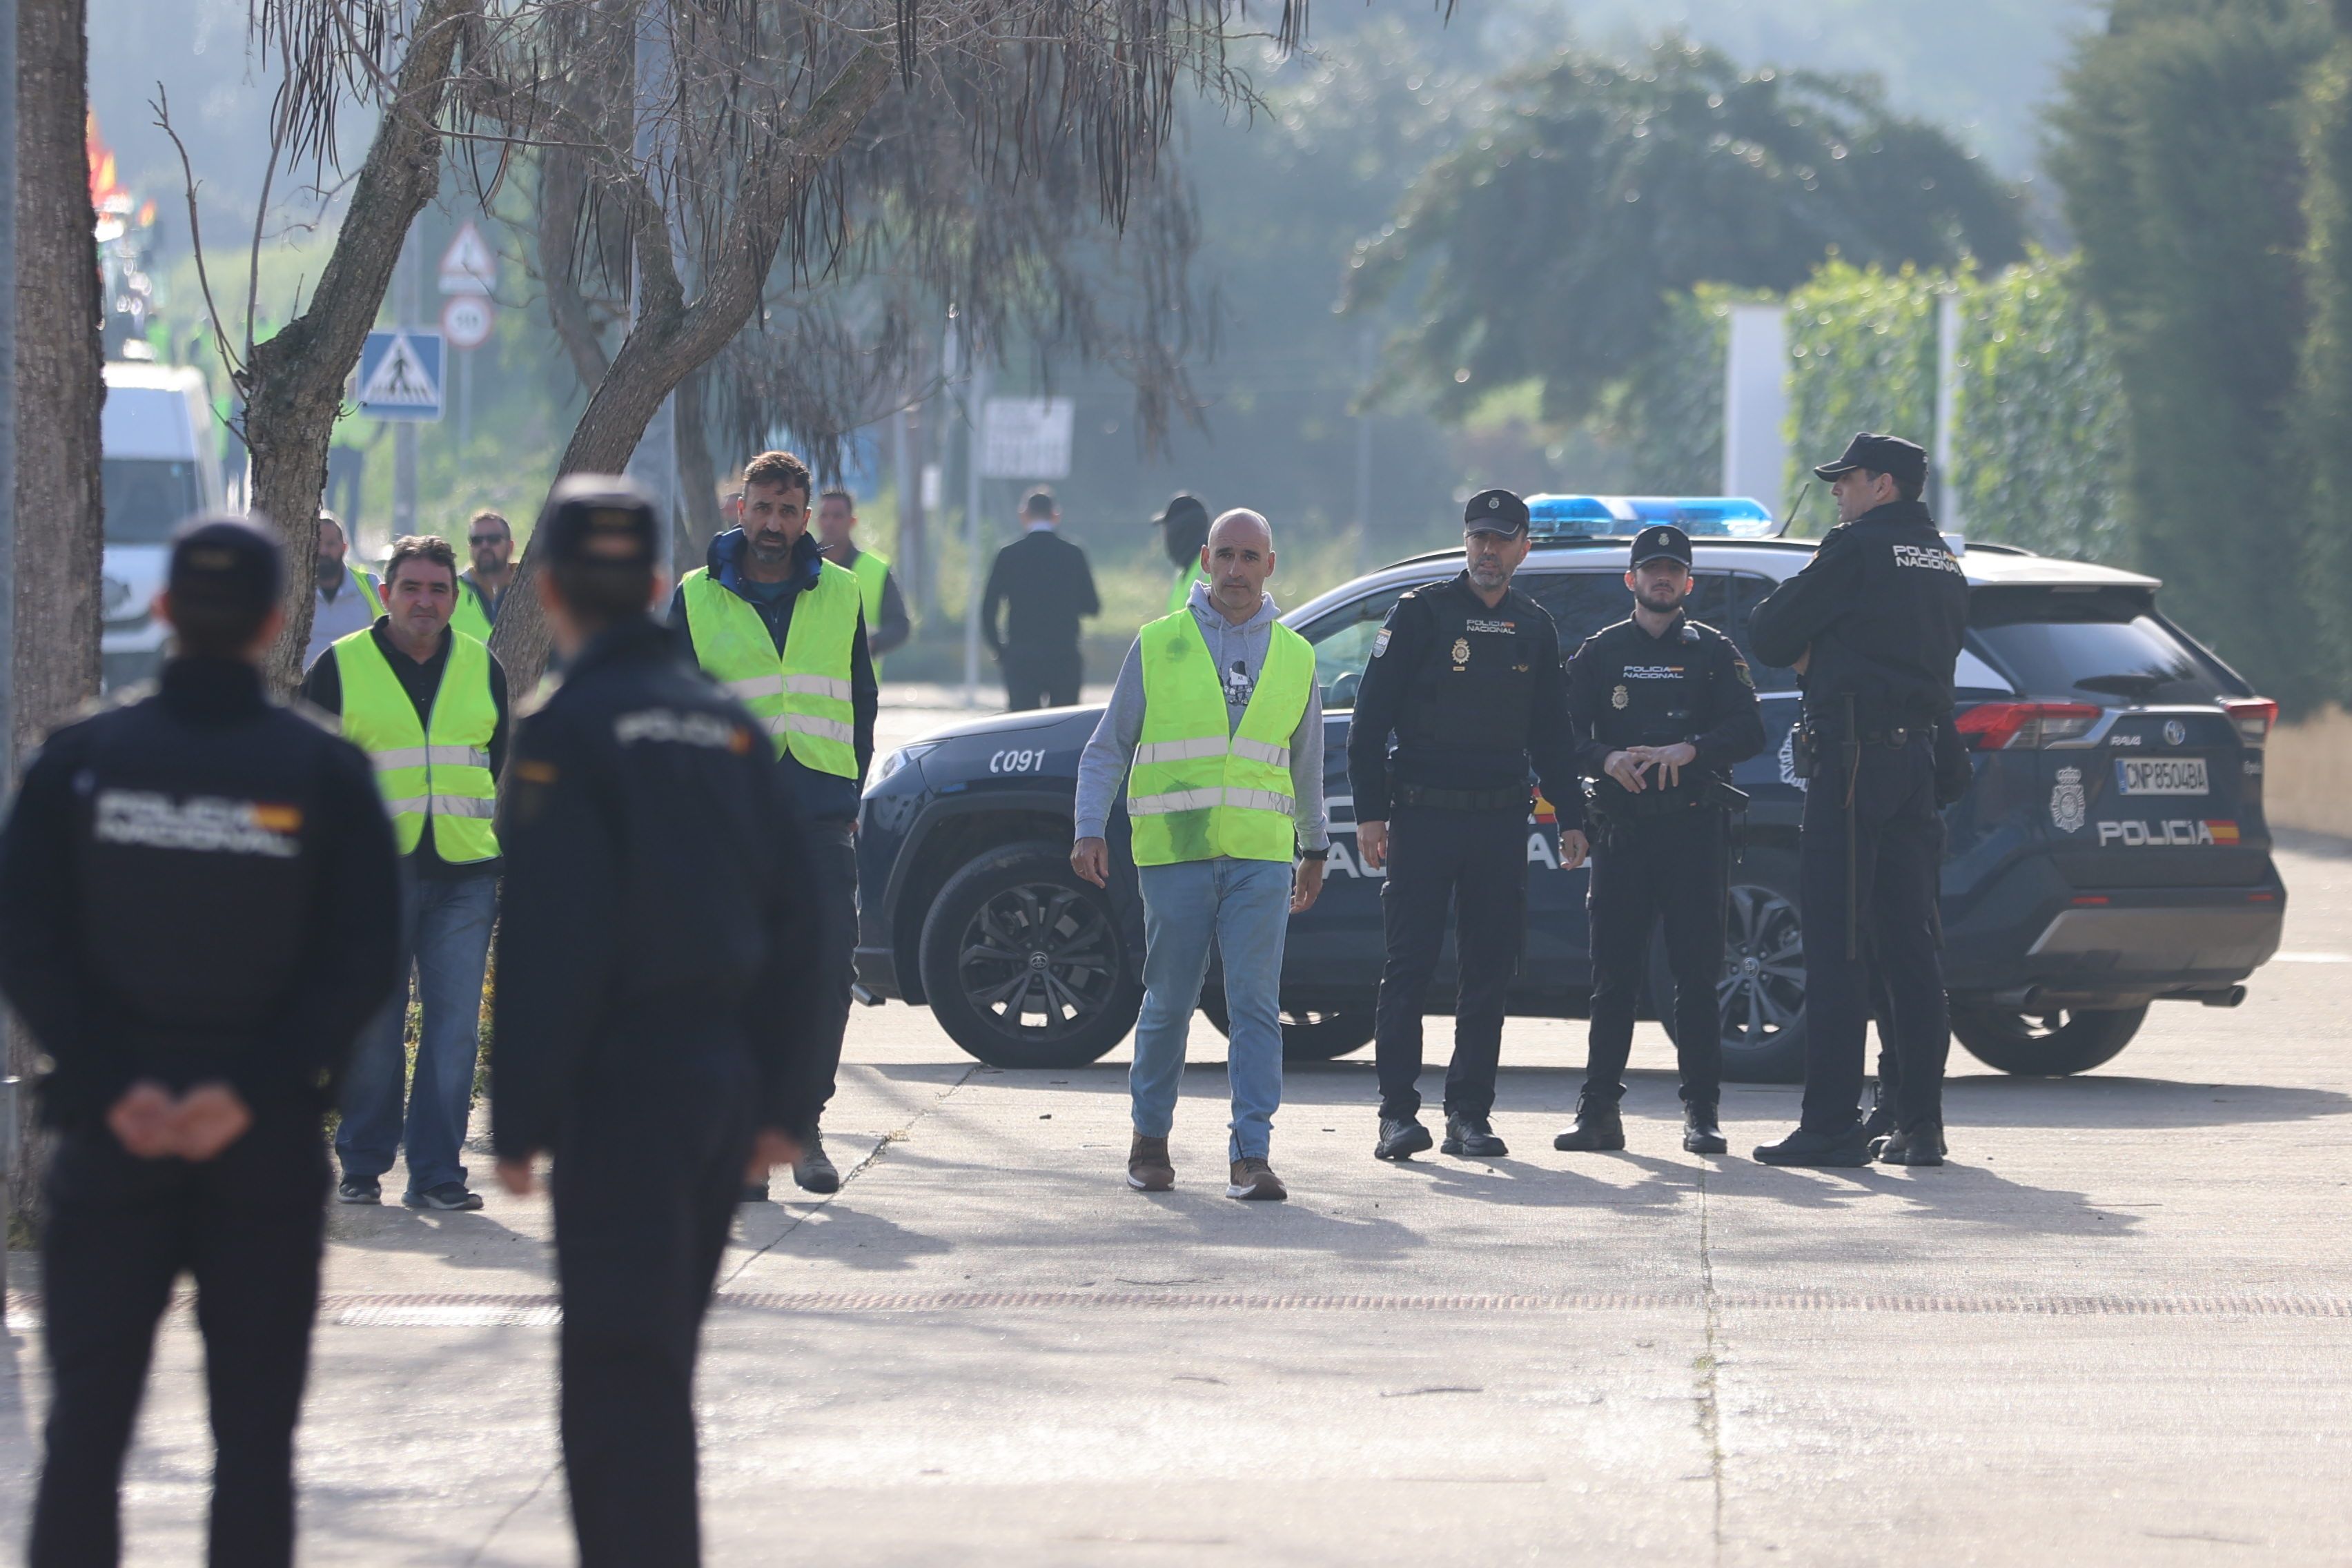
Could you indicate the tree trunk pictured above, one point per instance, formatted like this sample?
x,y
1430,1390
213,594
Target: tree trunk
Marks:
x,y
672,339
59,388
294,382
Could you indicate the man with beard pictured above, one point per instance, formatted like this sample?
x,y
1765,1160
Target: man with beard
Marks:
x,y
1466,675
349,599
1661,706
784,630
484,588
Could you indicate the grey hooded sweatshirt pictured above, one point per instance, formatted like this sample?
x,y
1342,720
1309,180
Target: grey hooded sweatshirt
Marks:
x,y
1240,655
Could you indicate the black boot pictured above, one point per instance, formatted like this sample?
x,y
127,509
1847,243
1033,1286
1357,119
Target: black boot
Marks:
x,y
1471,1135
1922,1145
1599,1127
1846,1149
1701,1135
1400,1136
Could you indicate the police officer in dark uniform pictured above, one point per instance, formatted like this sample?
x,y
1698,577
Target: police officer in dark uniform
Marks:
x,y
1466,675
657,1002
1661,706
198,899
1874,623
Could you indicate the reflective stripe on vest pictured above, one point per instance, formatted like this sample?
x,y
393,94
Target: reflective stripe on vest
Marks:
x,y
1200,790
801,697
1182,594
437,772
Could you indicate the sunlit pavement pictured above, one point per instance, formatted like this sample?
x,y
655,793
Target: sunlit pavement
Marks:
x,y
2117,1328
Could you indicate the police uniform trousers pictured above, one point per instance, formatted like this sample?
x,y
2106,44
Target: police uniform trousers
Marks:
x,y
1668,870
249,1225
1898,840
644,1193
833,871
1471,865
1041,676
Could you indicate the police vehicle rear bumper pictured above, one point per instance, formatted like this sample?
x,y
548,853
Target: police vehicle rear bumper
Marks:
x,y
2034,937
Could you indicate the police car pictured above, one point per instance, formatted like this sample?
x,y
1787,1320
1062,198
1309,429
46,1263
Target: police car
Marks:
x,y
2111,854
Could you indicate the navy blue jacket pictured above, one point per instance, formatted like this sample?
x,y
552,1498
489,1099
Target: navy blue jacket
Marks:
x,y
813,794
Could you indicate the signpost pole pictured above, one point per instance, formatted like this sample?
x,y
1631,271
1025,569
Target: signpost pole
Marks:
x,y
403,434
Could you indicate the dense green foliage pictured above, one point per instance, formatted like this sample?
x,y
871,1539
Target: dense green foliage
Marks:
x,y
2326,381
2181,153
1555,238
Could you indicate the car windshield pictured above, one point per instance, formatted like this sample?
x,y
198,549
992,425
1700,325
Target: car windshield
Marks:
x,y
2104,645
146,498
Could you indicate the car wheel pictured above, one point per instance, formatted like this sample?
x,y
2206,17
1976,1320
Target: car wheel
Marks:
x,y
1308,1034
1763,992
1023,962
2044,1045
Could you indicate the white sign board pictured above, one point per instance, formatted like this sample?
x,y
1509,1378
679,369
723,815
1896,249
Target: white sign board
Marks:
x,y
1756,402
400,375
1027,437
470,265
467,321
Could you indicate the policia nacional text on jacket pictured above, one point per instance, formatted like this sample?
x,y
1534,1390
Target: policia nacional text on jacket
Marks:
x,y
196,888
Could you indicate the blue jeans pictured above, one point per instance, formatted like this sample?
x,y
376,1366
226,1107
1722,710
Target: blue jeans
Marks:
x,y
445,933
1242,906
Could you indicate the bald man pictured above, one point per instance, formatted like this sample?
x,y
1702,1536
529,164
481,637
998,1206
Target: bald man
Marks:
x,y
1217,716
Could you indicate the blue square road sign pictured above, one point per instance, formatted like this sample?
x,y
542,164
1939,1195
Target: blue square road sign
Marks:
x,y
400,375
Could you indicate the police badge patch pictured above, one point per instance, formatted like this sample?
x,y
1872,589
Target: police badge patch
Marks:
x,y
1461,650
1619,698
1380,643
2066,802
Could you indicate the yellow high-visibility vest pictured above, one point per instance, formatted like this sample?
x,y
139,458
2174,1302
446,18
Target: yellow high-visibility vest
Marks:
x,y
872,570
437,772
469,617
1199,788
801,696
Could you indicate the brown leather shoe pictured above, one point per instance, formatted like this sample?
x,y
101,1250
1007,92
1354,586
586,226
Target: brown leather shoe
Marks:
x,y
1255,1179
1147,1166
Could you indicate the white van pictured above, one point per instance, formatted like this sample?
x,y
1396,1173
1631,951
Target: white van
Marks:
x,y
156,444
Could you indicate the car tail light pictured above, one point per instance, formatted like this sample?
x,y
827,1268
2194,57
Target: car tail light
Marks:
x,y
2024,726
2253,716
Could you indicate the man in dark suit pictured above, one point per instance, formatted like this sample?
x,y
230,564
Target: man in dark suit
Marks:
x,y
1044,583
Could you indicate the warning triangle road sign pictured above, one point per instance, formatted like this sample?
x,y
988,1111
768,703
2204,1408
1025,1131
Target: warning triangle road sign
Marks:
x,y
470,265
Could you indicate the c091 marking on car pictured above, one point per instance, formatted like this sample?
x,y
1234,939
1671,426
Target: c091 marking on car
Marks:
x,y
1020,761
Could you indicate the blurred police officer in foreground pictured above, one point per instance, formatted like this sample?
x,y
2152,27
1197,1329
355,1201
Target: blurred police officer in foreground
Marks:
x,y
197,908
1466,675
1661,706
1874,622
656,1003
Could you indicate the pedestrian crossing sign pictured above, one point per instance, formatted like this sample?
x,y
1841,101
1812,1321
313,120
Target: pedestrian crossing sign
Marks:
x,y
400,375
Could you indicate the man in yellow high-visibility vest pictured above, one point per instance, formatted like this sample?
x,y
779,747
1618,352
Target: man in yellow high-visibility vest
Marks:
x,y
348,599
491,539
1217,727
784,630
428,704
886,623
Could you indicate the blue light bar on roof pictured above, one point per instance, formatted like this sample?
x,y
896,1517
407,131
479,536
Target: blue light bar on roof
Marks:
x,y
1701,517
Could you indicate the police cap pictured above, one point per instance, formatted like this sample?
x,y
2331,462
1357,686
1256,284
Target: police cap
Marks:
x,y
232,565
1906,462
1182,508
1494,512
601,520
1661,541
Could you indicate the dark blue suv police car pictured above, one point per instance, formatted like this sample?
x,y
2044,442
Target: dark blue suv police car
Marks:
x,y
2111,853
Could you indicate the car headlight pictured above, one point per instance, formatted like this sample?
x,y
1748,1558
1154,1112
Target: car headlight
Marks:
x,y
905,756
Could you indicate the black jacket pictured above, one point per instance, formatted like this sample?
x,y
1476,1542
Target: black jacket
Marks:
x,y
1883,605
1626,688
1470,723
199,886
813,794
324,690
654,926
1045,588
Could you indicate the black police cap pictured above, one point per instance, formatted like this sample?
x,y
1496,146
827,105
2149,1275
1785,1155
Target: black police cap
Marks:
x,y
600,520
1661,542
1904,461
1182,508
233,565
1494,512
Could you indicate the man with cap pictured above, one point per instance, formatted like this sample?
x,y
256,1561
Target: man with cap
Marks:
x,y
1184,534
654,1010
1661,706
197,912
1465,676
1874,623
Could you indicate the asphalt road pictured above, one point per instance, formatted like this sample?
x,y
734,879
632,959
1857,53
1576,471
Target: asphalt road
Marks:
x,y
2116,1328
